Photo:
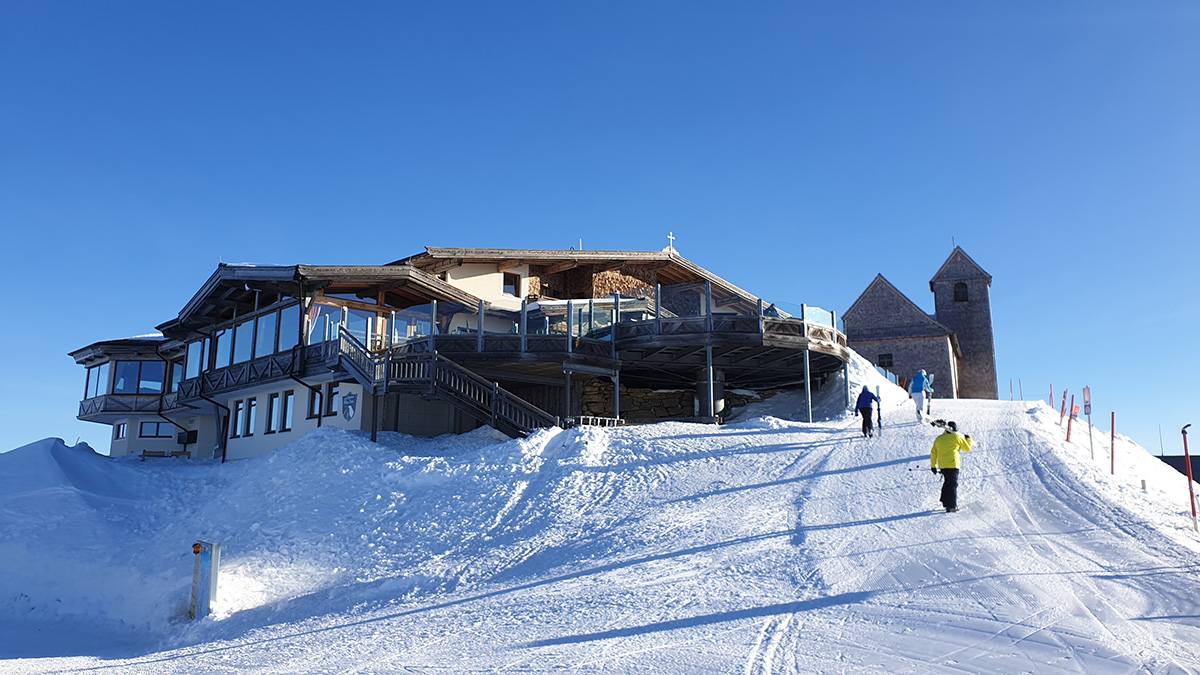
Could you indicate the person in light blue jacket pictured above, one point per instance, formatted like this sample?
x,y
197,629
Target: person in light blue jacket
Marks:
x,y
918,389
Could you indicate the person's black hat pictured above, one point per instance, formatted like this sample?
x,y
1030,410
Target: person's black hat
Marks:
x,y
951,426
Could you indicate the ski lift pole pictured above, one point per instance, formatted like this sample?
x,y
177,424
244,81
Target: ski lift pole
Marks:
x,y
1187,460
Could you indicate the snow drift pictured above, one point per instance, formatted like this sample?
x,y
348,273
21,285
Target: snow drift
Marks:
x,y
763,546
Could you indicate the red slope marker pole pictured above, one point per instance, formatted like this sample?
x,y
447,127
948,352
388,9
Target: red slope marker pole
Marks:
x,y
1187,460
1063,414
1071,418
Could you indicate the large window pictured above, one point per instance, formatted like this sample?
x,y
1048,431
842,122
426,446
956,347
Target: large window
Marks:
x,y
243,341
223,348
289,327
359,324
195,359
156,430
97,381
139,377
154,374
264,341
177,368
323,323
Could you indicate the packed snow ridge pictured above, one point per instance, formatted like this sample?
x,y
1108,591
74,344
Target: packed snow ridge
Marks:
x,y
765,545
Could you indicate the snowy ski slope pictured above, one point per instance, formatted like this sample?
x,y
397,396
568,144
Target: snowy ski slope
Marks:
x,y
763,546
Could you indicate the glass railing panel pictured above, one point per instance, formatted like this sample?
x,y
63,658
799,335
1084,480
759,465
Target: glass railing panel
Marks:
x,y
413,323
683,300
455,318
637,304
501,322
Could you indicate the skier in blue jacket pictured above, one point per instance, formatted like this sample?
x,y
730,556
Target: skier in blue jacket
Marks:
x,y
863,407
917,390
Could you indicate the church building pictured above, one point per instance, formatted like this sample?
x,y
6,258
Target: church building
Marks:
x,y
955,345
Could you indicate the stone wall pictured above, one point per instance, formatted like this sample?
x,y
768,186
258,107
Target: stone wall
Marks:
x,y
652,404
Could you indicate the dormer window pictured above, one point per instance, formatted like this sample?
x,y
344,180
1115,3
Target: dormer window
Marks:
x,y
512,284
960,292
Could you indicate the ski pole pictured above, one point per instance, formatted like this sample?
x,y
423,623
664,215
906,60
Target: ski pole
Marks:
x,y
1187,460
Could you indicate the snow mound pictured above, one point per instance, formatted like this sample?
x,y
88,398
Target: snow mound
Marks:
x,y
766,545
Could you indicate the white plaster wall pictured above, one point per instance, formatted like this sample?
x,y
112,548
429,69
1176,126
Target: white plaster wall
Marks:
x,y
484,282
132,444
261,442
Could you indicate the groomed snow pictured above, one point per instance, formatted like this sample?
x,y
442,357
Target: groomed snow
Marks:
x,y
762,546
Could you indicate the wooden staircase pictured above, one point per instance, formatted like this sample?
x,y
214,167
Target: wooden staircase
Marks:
x,y
434,376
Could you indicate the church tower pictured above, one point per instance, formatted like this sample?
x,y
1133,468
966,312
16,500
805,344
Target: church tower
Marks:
x,y
962,303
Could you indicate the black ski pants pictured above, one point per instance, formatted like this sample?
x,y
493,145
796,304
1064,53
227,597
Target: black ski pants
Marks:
x,y
868,425
950,488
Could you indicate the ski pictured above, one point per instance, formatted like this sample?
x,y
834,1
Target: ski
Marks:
x,y
879,412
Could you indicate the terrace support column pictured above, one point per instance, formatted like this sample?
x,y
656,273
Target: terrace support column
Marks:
x,y
710,390
617,395
567,399
807,385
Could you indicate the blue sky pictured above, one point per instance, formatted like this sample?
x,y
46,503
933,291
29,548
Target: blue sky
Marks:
x,y
796,149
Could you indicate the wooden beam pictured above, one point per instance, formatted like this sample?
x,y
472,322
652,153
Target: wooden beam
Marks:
x,y
439,267
507,265
560,267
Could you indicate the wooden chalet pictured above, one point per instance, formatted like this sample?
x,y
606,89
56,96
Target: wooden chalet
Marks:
x,y
443,341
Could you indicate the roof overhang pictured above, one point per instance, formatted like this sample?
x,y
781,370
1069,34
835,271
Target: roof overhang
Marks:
x,y
671,267
239,289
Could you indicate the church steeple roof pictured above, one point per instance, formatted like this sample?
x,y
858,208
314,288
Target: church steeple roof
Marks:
x,y
959,267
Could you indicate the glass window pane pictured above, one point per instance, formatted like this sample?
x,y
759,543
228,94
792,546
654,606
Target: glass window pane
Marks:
x,y
289,327
153,375
358,323
264,342
176,375
251,416
288,400
126,380
224,348
323,323
243,341
195,353
102,379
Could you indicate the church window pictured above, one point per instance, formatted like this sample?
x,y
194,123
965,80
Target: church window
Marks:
x,y
960,292
884,361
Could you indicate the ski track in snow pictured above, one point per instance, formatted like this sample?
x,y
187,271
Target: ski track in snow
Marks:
x,y
763,547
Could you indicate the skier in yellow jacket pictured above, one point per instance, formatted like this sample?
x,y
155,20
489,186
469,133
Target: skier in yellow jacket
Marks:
x,y
944,456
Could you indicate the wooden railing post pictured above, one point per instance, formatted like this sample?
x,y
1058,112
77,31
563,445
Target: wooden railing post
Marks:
x,y
524,324
570,326
658,309
432,325
479,324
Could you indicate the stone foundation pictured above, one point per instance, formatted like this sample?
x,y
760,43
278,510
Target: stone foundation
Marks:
x,y
651,404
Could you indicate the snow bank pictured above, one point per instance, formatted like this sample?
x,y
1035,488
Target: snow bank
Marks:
x,y
766,545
